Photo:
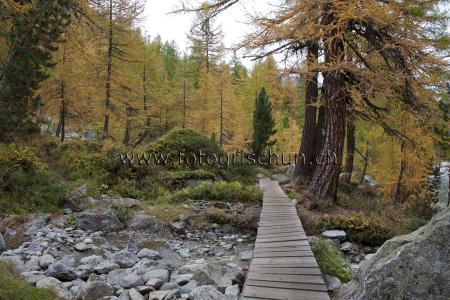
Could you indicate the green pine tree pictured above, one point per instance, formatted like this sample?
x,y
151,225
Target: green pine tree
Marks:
x,y
33,37
263,124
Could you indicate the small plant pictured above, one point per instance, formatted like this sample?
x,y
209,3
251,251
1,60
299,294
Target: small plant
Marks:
x,y
71,222
221,217
330,259
123,214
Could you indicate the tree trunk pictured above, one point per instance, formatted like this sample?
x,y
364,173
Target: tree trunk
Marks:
x,y
304,169
144,85
61,132
326,176
349,159
399,195
366,162
320,131
108,74
184,95
126,136
221,114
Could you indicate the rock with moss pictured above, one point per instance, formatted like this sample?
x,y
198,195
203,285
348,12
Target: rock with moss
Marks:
x,y
413,266
99,221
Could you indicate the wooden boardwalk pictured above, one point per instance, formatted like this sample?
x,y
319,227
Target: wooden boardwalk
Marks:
x,y
283,265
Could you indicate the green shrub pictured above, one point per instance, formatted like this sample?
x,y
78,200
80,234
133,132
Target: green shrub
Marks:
x,y
123,214
330,259
26,183
359,228
71,221
183,141
12,287
220,217
220,191
174,177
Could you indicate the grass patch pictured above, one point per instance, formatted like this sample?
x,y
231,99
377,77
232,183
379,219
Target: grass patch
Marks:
x,y
220,217
330,259
123,214
363,229
216,191
12,287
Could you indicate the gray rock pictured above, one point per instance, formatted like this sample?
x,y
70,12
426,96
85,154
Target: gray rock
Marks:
x,y
144,222
281,179
124,278
182,279
92,260
413,266
346,247
246,255
335,235
125,259
94,290
33,264
83,271
99,221
188,287
332,283
160,274
15,260
369,181
56,286
37,222
206,292
2,243
82,247
106,267
46,260
232,292
164,295
148,253
107,201
144,290
61,271
260,176
135,295
78,199
166,286
32,277
178,226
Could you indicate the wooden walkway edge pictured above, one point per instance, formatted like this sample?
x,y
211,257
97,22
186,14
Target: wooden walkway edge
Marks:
x,y
283,266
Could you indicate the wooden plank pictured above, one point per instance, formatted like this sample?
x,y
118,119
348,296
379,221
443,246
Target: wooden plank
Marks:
x,y
308,261
300,286
287,234
283,294
283,249
287,270
281,239
281,244
304,253
296,278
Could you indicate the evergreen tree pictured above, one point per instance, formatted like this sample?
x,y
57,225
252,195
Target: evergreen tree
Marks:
x,y
33,38
263,124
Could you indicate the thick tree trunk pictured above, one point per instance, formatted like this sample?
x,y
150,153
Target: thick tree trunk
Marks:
x,y
61,132
349,159
326,176
108,74
184,95
320,132
366,162
304,169
144,86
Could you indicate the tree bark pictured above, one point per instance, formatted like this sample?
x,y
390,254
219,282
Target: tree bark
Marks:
x,y
126,137
61,132
304,169
399,195
350,156
221,114
108,74
320,131
326,176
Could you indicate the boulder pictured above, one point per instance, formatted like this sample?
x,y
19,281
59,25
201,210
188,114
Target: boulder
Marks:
x,y
188,287
125,259
165,295
144,222
206,292
36,222
346,247
46,260
369,181
178,226
135,295
148,253
232,292
78,200
61,271
332,283
99,221
281,179
107,201
94,290
33,264
56,286
161,274
124,278
106,267
260,176
335,235
92,260
413,266
246,255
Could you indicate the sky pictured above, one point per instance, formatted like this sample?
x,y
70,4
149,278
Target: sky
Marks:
x,y
157,20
